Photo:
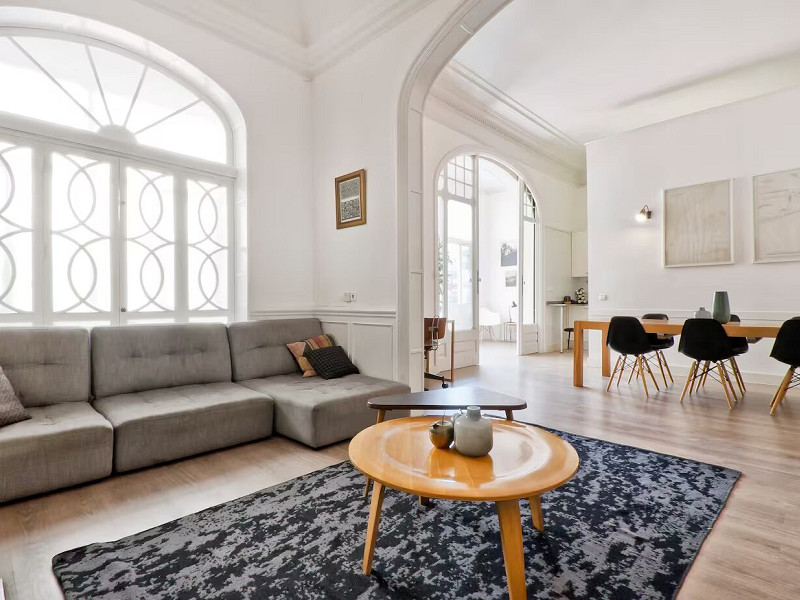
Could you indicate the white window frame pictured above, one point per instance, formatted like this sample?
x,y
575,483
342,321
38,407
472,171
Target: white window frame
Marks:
x,y
44,138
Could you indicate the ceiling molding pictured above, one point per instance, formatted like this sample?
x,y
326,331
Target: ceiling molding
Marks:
x,y
373,21
462,91
456,115
227,22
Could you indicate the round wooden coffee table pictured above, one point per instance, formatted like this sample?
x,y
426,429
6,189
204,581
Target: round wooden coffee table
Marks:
x,y
525,462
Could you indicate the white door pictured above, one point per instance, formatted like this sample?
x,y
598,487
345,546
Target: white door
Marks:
x,y
458,257
528,335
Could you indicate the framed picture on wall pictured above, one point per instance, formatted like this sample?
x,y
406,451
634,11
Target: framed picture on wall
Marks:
x,y
351,199
508,254
698,225
511,278
776,216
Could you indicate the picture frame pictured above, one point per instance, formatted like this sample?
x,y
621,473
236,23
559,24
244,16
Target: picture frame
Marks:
x,y
698,225
508,254
776,216
351,199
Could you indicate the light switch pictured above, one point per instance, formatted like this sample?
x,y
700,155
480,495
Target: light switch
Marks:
x,y
602,297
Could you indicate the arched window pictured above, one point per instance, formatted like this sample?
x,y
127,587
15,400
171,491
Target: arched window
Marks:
x,y
116,188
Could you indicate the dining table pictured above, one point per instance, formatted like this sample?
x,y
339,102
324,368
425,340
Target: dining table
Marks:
x,y
746,329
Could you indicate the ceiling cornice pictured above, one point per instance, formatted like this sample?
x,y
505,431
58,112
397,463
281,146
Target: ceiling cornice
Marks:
x,y
462,91
224,21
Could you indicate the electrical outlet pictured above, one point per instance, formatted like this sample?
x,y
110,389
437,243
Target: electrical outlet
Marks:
x,y
349,296
603,297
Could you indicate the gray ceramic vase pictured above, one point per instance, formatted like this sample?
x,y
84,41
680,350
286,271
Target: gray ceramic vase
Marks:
x,y
722,308
473,433
702,313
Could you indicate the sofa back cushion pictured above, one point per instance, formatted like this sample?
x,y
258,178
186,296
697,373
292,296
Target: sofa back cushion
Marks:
x,y
46,366
258,348
148,357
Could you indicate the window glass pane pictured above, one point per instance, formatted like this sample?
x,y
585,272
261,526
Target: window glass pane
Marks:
x,y
26,91
80,222
207,214
529,272
159,97
150,247
119,77
441,261
196,131
68,63
460,283
16,222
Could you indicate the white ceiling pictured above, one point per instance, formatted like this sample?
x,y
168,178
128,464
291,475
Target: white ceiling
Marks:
x,y
590,68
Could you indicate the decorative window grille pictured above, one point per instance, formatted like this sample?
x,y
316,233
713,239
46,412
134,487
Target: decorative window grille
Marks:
x,y
130,224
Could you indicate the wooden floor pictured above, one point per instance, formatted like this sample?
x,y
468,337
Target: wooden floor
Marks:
x,y
752,552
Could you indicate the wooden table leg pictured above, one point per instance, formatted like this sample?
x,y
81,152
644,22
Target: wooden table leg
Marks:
x,y
372,527
513,553
606,354
381,418
423,501
577,356
509,415
536,512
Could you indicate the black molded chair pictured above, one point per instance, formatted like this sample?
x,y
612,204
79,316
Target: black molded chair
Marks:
x,y
740,346
787,350
705,341
660,342
627,336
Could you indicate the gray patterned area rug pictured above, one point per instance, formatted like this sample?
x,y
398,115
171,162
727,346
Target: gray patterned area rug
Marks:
x,y
628,525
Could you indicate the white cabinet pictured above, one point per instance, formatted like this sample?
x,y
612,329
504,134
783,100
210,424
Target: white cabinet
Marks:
x,y
580,254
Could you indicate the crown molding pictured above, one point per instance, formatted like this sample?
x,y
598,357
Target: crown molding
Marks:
x,y
461,92
363,27
226,22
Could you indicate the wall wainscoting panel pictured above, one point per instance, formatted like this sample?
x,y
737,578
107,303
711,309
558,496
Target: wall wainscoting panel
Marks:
x,y
369,335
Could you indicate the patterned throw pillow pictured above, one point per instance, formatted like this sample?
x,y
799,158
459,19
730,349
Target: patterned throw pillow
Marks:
x,y
11,409
298,349
331,363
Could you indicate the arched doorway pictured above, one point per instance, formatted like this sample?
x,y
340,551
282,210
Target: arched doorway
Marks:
x,y
486,269
463,22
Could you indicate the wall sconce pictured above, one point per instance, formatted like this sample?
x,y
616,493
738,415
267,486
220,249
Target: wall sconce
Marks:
x,y
644,214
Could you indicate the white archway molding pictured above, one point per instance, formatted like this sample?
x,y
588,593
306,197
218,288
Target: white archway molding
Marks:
x,y
221,101
467,18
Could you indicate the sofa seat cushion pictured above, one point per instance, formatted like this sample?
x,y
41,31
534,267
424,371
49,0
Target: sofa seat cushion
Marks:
x,y
318,412
156,426
59,446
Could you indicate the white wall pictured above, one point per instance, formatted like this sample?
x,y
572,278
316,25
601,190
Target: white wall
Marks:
x,y
275,103
499,222
354,114
626,171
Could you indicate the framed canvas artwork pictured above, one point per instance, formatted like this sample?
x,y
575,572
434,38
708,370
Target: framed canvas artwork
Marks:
x,y
776,216
351,199
698,225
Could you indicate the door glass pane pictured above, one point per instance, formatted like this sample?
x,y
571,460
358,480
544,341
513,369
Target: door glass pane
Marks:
x,y
529,271
442,261
150,241
16,223
460,269
207,215
80,224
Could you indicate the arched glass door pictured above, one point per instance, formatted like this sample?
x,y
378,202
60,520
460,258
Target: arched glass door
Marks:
x,y
460,202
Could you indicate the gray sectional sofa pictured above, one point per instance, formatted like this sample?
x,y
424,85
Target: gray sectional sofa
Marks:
x,y
132,397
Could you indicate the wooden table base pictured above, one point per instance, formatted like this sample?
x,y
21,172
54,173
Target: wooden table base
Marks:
x,y
510,535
